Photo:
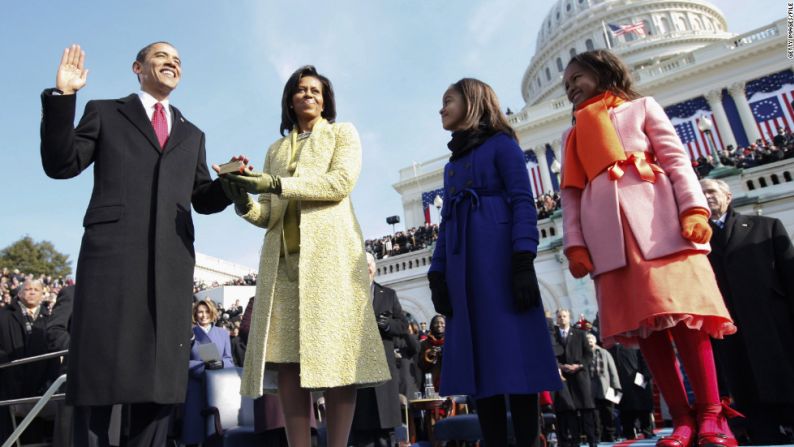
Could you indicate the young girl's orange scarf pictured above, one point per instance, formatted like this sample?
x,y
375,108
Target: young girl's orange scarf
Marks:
x,y
593,144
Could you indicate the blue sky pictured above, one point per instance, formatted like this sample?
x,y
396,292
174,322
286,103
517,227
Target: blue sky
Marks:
x,y
390,61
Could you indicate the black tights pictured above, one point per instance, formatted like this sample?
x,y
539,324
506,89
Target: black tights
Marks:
x,y
492,413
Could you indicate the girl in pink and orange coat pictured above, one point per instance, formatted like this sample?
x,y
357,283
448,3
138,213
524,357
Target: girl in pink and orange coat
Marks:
x,y
636,220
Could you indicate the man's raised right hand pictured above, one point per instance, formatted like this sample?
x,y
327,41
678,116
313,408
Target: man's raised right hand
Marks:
x,y
72,74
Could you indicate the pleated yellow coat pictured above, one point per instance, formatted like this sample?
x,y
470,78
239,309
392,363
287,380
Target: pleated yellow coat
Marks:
x,y
339,339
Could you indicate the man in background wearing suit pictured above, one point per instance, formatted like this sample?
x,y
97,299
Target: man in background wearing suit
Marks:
x,y
378,409
574,357
130,327
753,260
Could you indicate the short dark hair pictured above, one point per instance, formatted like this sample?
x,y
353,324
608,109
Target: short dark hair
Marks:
x,y
141,56
288,117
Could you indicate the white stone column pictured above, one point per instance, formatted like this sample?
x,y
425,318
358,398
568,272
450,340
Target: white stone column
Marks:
x,y
556,146
413,214
714,97
545,175
748,122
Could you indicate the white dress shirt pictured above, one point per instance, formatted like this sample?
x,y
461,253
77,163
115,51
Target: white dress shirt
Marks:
x,y
148,104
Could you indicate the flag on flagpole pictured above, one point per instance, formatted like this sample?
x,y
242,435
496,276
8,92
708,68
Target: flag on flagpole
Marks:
x,y
427,201
619,30
534,173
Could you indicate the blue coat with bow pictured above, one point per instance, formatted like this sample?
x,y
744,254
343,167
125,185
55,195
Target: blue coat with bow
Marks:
x,y
489,214
193,425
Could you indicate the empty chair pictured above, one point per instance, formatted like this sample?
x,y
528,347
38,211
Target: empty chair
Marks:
x,y
230,416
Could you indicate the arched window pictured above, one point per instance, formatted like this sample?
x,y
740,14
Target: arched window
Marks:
x,y
683,24
589,45
548,74
572,52
559,65
697,24
664,25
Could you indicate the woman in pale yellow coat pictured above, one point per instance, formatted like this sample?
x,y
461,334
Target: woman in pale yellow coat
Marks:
x,y
313,320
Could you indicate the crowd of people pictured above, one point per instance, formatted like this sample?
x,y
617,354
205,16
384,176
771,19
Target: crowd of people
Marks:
x,y
401,242
755,154
247,280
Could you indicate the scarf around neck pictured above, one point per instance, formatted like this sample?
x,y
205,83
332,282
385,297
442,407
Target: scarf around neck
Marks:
x,y
463,141
593,143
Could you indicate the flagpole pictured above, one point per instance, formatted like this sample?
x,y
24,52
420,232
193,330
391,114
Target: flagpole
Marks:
x,y
606,36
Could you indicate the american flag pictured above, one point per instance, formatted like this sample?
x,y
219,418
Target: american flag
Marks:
x,y
619,30
770,100
427,201
534,173
686,117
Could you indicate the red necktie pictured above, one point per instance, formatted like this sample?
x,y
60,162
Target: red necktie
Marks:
x,y
160,124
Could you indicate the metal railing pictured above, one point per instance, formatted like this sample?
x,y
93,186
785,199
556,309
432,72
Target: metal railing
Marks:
x,y
39,401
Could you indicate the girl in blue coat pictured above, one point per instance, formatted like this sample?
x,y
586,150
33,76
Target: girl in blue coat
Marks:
x,y
482,276
204,317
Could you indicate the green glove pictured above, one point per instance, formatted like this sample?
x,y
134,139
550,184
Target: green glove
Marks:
x,y
242,201
256,182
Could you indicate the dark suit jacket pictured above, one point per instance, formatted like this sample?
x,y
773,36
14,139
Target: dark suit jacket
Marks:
x,y
131,315
386,402
576,393
629,362
753,260
15,343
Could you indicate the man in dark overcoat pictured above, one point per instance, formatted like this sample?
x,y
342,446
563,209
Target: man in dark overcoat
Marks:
x,y
636,405
131,318
575,400
378,409
753,260
23,333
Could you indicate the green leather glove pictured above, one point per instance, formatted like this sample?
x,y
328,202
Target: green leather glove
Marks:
x,y
242,201
256,182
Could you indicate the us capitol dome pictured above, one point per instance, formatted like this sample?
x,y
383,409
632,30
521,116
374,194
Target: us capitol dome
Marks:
x,y
574,26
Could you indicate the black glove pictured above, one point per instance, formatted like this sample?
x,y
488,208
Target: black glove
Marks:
x,y
213,364
383,322
525,284
439,293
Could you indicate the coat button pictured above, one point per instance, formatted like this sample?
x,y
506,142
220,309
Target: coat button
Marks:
x,y
451,173
452,190
468,165
469,182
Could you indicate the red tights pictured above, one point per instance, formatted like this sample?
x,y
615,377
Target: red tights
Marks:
x,y
694,348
